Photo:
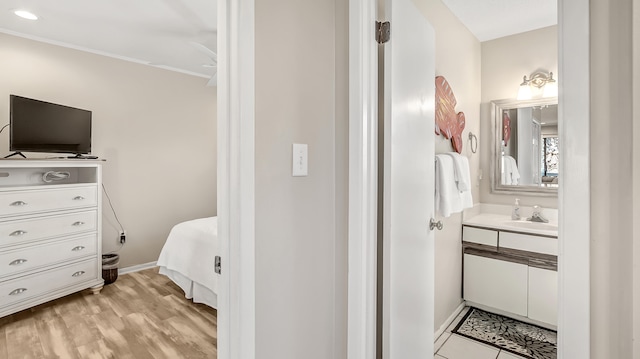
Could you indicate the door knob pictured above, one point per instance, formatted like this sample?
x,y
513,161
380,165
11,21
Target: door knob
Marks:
x,y
433,224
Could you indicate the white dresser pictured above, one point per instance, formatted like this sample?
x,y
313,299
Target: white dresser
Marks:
x,y
50,230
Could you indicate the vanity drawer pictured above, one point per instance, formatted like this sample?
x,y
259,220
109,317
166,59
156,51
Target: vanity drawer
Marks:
x,y
480,236
29,230
529,243
25,288
21,260
43,200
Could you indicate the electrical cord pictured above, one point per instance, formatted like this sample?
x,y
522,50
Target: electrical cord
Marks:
x,y
3,127
115,215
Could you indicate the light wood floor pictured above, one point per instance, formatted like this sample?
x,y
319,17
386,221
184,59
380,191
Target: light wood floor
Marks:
x,y
141,315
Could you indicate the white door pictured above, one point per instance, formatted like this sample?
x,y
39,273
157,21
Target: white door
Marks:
x,y
409,101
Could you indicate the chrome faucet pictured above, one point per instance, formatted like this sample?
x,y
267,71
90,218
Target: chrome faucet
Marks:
x,y
537,216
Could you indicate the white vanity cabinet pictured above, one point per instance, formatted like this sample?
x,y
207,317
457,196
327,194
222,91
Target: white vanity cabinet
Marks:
x,y
515,273
495,283
543,295
50,231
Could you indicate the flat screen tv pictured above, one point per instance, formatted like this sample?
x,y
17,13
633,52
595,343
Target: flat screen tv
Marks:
x,y
38,126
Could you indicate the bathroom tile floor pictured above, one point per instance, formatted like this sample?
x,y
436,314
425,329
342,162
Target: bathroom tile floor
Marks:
x,y
453,346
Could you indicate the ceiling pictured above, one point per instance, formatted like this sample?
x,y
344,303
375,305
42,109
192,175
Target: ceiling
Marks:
x,y
156,32
492,19
162,32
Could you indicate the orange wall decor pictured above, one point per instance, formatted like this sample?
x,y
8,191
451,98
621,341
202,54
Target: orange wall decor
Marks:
x,y
448,123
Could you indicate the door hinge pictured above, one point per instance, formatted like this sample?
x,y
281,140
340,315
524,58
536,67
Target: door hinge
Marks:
x,y
218,265
383,31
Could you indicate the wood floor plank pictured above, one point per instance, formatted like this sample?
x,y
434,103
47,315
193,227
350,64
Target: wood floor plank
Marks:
x,y
55,338
142,315
3,340
23,340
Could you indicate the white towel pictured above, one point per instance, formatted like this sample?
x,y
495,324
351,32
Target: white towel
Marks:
x,y
448,198
510,173
461,171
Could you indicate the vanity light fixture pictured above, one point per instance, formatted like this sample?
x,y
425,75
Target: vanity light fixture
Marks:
x,y
541,81
26,14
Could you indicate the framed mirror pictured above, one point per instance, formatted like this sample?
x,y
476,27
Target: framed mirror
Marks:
x,y
525,152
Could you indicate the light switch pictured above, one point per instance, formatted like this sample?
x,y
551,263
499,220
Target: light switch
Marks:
x,y
299,160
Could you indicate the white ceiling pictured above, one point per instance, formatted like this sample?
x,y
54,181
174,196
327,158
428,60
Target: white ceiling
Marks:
x,y
160,32
156,32
492,19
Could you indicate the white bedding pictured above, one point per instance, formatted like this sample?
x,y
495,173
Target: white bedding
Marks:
x,y
188,259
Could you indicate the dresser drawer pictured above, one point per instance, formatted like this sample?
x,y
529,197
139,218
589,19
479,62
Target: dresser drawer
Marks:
x,y
27,287
22,260
29,230
42,200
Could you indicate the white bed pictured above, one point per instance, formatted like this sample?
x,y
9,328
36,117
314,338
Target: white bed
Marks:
x,y
187,258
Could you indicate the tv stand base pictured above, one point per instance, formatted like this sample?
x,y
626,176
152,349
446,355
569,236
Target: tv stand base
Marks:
x,y
15,154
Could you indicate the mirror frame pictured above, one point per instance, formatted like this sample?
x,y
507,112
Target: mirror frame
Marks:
x,y
496,117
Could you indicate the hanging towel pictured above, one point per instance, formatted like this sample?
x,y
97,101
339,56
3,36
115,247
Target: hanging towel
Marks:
x,y
448,198
510,173
461,171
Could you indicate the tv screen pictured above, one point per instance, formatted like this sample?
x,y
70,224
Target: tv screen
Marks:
x,y
38,126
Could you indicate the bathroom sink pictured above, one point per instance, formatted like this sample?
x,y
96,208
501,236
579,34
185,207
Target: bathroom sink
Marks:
x,y
533,225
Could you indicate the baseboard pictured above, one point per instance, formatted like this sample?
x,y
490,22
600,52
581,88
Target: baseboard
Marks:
x,y
136,268
449,320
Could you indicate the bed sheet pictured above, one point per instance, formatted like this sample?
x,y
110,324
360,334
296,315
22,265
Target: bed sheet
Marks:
x,y
187,258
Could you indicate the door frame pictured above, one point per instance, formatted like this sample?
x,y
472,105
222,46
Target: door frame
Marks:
x,y
236,173
363,180
573,196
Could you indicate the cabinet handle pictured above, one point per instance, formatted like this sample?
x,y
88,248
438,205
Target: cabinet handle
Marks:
x,y
18,233
78,198
78,273
18,203
18,262
78,248
18,291
77,224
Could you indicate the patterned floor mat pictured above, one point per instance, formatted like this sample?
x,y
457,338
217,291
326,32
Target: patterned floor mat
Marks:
x,y
526,340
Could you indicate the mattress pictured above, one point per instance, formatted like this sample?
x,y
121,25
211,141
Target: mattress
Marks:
x,y
188,256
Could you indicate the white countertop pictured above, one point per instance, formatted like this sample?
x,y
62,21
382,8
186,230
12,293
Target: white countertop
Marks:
x,y
499,217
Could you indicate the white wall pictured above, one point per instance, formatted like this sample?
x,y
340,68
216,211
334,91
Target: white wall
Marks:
x,y
504,62
612,180
299,221
155,128
458,60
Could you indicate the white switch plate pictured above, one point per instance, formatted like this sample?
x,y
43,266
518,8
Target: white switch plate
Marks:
x,y
299,159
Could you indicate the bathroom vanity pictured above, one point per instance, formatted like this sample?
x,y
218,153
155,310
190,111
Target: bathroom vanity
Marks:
x,y
510,266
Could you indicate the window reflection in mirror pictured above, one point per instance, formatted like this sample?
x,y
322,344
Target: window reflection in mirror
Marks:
x,y
526,153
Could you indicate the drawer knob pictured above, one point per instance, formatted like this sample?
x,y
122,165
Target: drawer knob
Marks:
x,y
18,262
78,224
18,291
77,249
78,198
18,203
78,273
18,233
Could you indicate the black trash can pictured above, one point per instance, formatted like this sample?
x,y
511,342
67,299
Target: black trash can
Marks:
x,y
110,267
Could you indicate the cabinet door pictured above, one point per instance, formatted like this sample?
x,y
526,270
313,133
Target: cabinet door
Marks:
x,y
495,283
543,295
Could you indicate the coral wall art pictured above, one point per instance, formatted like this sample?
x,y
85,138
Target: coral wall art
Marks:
x,y
448,123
